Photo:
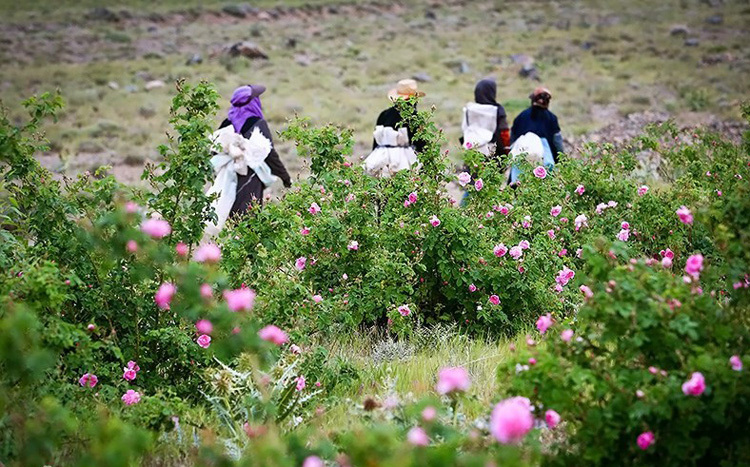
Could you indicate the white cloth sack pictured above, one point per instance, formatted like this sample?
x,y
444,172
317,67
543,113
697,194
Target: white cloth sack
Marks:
x,y
393,152
529,146
237,153
478,127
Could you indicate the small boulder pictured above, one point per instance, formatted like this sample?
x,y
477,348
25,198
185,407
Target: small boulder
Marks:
x,y
154,84
421,77
430,14
102,14
679,30
146,112
239,11
715,19
113,85
692,42
303,59
529,71
194,59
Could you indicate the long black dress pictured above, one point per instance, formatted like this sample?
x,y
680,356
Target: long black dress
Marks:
x,y
249,187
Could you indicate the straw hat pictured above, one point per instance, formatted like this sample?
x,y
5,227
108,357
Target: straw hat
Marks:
x,y
404,89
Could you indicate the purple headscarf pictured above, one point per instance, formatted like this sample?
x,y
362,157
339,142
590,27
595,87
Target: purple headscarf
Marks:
x,y
244,105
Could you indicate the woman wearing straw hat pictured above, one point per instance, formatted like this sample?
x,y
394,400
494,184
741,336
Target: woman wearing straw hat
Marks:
x,y
248,161
393,148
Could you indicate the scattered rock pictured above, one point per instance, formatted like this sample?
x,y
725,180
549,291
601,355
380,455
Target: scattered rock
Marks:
x,y
113,85
146,112
714,59
421,77
679,30
131,88
246,49
156,17
715,19
153,55
144,75
265,16
303,59
332,10
522,59
430,14
692,42
154,84
291,42
152,29
239,11
459,66
102,14
195,59
528,70
588,45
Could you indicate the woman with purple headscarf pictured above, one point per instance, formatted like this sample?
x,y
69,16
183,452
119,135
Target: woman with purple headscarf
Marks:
x,y
245,115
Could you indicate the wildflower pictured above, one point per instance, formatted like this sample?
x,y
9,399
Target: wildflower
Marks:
x,y
551,234
516,252
642,190
204,326
208,253
540,172
181,249
131,246
580,189
273,334
317,298
434,221
242,299
204,340
412,197
300,380
417,437
735,362
524,244
404,310
300,263
623,235
478,184
164,295
464,178
695,385
472,288
494,299
156,228
511,420
500,250
552,418
686,217
555,211
543,323
581,221
305,231
645,440
452,380
131,397
694,265
566,335
564,276
353,245
505,210
89,380
314,209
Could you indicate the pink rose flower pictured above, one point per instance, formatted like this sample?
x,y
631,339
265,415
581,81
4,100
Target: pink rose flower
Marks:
x,y
543,323
526,222
242,299
686,217
89,380
494,299
313,461
133,366
163,296
516,252
204,326
524,244
625,226
206,291
204,340
645,440
642,190
505,210
472,288
566,335
452,380
413,197
552,418
300,263
131,246
129,374
564,276
434,221
581,221
353,245
131,397
317,298
429,413
511,420
305,231
208,253
478,184
406,203
695,385
273,334
694,265
131,207
181,249
350,197
623,235
500,250
587,292
666,262
580,189
314,209
295,349
540,172
734,361
555,211
300,380
417,437
156,228
404,310
551,234
91,327
464,178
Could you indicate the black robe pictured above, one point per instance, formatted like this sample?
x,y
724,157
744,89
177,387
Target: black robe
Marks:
x,y
249,187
